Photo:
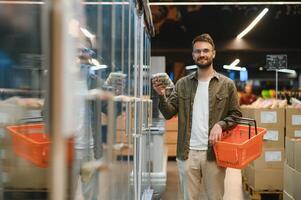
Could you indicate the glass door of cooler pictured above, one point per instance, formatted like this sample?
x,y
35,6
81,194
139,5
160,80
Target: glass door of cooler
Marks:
x,y
115,42
74,99
38,76
24,142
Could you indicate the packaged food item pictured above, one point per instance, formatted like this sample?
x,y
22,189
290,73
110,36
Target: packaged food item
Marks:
x,y
163,79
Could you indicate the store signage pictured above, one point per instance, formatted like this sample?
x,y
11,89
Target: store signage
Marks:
x,y
276,61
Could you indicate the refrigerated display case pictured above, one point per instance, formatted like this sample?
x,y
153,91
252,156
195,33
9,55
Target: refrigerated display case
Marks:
x,y
81,69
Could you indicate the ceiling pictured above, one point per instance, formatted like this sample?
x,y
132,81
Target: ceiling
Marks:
x,y
277,33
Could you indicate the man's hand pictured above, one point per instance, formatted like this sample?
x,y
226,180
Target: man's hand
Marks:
x,y
158,87
215,133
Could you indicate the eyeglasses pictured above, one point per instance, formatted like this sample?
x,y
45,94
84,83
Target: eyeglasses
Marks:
x,y
199,51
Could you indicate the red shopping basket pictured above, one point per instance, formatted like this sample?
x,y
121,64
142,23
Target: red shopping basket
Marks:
x,y
31,143
240,145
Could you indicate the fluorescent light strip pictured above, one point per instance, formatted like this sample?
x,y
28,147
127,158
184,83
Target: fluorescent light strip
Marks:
x,y
289,71
236,68
226,3
106,3
97,67
87,33
23,2
251,26
189,67
235,62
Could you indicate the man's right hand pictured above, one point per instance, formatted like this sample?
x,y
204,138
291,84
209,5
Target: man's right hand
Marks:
x,y
158,87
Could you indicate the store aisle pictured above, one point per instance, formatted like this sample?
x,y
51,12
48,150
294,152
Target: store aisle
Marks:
x,y
233,188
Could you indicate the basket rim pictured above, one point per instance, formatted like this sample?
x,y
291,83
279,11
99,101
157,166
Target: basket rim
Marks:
x,y
12,130
261,132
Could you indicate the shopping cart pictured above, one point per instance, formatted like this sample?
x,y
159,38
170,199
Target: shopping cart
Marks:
x,y
31,143
241,145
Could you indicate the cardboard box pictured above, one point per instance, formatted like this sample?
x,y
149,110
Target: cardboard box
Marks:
x,y
293,118
172,149
288,176
245,111
171,137
271,158
265,179
121,137
172,124
267,118
293,132
121,122
289,151
274,138
297,184
287,196
297,155
18,173
293,152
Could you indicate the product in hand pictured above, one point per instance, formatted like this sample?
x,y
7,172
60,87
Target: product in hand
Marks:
x,y
162,79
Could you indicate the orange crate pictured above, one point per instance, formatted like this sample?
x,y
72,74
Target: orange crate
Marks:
x,y
236,150
31,143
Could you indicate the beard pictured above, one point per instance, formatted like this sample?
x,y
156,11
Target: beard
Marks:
x,y
204,65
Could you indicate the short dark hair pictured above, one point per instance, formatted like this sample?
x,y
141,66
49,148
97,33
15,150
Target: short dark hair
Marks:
x,y
203,38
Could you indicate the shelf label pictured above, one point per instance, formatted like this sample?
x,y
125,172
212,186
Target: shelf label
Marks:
x,y
268,117
271,135
273,156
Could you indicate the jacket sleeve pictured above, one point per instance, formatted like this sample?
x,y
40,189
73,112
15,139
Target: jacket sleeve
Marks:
x,y
234,109
169,106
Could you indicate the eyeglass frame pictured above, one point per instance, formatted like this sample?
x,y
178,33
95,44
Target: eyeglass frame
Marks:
x,y
199,51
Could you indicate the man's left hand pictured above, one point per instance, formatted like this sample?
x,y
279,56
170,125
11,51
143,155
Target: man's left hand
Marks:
x,y
215,133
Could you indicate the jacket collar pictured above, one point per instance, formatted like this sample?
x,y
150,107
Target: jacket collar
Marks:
x,y
194,75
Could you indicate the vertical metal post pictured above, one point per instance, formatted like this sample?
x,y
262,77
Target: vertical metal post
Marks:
x,y
135,172
62,73
58,169
276,84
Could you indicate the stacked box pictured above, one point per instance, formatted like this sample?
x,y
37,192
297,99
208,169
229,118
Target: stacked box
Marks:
x,y
18,173
271,119
171,135
266,172
292,169
293,122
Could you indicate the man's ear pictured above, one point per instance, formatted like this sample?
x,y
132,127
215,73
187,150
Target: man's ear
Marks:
x,y
214,53
192,56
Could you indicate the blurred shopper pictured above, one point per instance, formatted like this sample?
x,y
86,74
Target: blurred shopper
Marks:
x,y
203,100
247,97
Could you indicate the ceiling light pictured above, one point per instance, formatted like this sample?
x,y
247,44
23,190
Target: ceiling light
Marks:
x,y
235,62
106,3
289,71
236,68
97,65
87,33
226,3
256,20
189,67
23,2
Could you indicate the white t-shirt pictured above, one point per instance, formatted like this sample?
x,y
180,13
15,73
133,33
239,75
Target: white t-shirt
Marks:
x,y
200,117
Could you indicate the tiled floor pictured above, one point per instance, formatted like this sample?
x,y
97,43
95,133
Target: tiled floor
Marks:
x,y
233,185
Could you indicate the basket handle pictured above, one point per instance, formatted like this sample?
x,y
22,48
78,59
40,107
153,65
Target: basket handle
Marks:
x,y
31,120
245,121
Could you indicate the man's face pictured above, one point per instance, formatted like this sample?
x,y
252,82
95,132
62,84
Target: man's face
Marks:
x,y
203,54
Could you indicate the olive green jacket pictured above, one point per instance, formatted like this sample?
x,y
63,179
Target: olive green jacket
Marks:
x,y
223,104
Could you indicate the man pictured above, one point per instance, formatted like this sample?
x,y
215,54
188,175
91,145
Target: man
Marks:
x,y
203,100
247,97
